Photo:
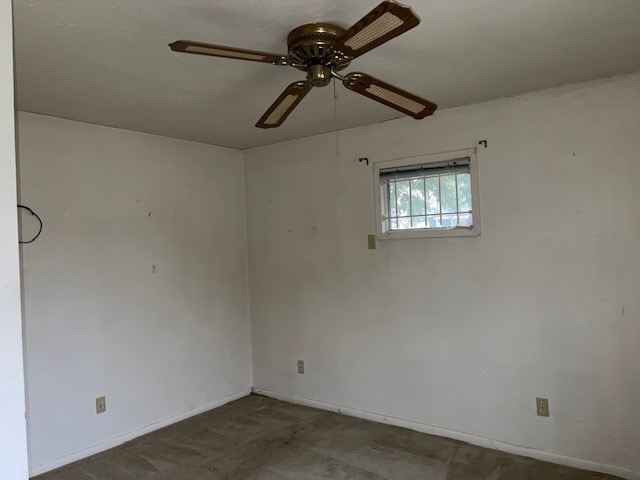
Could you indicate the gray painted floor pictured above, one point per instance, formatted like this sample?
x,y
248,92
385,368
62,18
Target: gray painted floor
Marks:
x,y
261,438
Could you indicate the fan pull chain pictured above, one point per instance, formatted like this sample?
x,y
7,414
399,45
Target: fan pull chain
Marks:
x,y
335,117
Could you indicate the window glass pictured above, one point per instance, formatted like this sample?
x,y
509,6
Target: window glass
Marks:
x,y
448,194
403,199
441,200
392,200
433,194
417,196
430,192
464,192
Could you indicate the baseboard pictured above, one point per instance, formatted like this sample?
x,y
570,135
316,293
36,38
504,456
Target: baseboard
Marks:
x,y
464,437
114,442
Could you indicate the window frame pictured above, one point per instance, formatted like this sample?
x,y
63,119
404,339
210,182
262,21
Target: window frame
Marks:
x,y
380,196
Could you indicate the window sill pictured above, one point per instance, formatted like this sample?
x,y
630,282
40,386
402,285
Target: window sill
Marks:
x,y
425,233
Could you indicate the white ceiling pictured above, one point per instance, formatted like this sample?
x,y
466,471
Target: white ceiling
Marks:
x,y
107,61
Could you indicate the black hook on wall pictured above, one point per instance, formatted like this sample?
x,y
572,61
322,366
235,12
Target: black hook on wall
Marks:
x,y
364,159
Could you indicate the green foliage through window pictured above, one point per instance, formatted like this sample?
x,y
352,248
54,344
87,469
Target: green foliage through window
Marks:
x,y
427,201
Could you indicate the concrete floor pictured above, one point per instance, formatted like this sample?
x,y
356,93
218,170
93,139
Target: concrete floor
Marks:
x,y
261,438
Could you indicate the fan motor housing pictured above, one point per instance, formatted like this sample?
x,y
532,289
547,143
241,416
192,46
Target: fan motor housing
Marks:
x,y
310,45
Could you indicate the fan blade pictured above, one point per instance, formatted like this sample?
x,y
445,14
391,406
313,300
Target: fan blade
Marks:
x,y
386,21
284,105
199,48
391,96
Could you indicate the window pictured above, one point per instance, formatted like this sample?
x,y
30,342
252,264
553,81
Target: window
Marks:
x,y
428,196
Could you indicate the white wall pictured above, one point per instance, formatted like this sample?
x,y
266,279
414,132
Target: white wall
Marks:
x,y
13,440
159,345
464,333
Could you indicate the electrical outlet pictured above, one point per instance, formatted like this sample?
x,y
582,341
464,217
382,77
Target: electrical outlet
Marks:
x,y
542,407
371,240
101,404
301,367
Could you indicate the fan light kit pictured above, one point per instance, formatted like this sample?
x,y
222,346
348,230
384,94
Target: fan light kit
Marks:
x,y
322,50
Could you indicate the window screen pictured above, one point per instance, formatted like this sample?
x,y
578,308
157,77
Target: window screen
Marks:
x,y
428,196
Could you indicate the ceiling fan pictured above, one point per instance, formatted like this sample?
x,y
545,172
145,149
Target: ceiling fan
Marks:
x,y
322,50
